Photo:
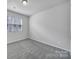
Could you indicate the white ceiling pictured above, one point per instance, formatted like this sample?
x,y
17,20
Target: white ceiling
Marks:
x,y
34,6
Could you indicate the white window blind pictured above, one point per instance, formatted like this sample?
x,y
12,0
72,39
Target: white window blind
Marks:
x,y
14,24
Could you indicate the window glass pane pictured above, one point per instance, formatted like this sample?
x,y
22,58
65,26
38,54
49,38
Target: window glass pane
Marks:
x,y
14,24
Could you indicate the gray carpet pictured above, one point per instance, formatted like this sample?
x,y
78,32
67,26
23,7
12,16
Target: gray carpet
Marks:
x,y
30,49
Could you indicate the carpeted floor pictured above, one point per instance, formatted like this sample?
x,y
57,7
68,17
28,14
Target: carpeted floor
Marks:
x,y
30,49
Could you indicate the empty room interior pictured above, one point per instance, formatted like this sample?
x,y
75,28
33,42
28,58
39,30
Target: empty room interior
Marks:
x,y
38,29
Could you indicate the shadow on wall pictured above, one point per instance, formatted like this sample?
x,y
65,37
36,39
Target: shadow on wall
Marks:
x,y
52,26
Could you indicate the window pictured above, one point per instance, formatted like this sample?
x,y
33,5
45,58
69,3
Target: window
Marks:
x,y
14,24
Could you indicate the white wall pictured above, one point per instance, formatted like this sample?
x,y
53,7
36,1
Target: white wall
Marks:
x,y
52,26
15,36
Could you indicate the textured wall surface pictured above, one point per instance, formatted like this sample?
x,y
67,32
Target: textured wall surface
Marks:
x,y
30,49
